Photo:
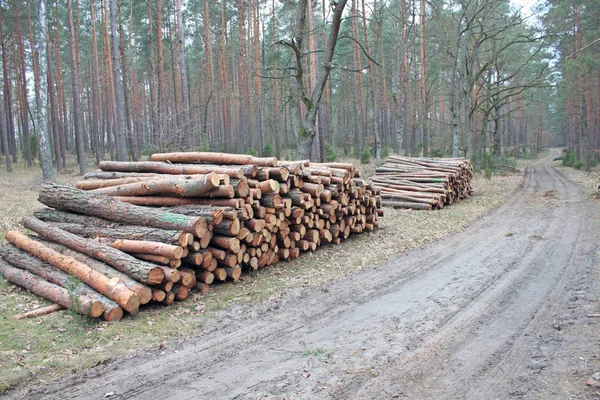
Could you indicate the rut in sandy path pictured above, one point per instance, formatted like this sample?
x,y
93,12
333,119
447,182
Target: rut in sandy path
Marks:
x,y
459,319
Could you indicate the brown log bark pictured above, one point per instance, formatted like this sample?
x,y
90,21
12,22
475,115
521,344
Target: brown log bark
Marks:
x,y
214,158
112,288
126,232
38,312
71,199
228,243
36,285
175,186
143,291
153,258
172,169
23,260
227,227
142,271
145,247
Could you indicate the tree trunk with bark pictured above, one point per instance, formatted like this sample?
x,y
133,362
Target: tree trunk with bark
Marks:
x,y
77,112
42,125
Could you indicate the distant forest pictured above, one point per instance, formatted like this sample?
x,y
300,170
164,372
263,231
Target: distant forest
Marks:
x,y
121,79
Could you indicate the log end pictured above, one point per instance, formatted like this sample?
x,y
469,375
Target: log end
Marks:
x,y
132,306
113,315
145,294
158,295
155,277
96,309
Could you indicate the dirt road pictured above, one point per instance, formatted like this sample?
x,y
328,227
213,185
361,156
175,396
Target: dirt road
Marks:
x,y
498,311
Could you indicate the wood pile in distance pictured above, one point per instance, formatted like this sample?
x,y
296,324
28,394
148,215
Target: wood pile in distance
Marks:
x,y
134,233
423,183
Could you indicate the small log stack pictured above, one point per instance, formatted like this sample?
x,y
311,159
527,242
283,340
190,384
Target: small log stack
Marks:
x,y
423,183
140,232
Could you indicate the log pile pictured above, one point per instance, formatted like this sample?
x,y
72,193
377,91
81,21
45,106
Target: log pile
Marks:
x,y
139,232
423,183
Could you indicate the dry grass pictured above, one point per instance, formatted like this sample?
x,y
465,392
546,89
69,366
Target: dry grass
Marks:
x,y
19,189
587,180
47,347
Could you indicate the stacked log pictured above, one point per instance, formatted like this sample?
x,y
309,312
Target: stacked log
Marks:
x,y
140,232
423,183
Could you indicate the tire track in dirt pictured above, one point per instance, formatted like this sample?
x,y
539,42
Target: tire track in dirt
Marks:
x,y
457,319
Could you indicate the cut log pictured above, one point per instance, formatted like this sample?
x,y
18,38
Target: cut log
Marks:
x,y
172,169
36,285
129,232
70,199
23,260
158,295
228,243
153,258
161,201
38,312
171,275
145,247
173,186
214,158
140,270
212,214
143,291
114,289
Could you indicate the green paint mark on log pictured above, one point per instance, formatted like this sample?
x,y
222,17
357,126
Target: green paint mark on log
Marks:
x,y
175,218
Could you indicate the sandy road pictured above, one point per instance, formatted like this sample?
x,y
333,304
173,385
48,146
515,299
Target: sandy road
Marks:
x,y
498,311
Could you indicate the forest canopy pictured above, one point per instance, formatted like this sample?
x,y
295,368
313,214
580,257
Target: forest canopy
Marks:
x,y
121,79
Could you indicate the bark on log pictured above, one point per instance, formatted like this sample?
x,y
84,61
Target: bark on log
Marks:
x,y
214,158
70,199
23,260
171,169
143,291
38,312
145,247
173,186
114,289
140,270
212,214
128,232
36,285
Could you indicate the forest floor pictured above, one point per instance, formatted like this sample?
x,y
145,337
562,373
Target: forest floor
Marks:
x,y
246,318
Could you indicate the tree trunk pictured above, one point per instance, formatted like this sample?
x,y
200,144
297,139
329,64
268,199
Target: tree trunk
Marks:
x,y
42,126
187,129
423,51
162,133
24,100
120,133
126,232
95,89
77,112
